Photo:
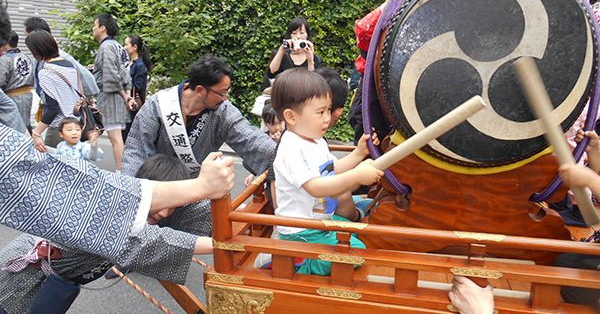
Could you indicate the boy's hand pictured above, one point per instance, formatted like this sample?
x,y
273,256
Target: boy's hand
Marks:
x,y
593,145
93,137
576,175
362,143
216,175
367,174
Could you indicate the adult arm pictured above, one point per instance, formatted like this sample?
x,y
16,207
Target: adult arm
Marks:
x,y
142,138
275,64
6,68
51,110
254,146
9,114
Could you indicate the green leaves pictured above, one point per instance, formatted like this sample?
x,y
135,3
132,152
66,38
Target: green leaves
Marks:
x,y
243,32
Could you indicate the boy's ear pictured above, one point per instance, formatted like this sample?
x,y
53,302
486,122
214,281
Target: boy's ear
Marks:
x,y
289,116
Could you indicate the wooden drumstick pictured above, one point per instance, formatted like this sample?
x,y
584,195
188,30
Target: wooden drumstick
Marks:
x,y
532,84
431,132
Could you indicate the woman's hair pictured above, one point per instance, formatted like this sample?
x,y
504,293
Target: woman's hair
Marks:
x,y
268,114
163,168
42,45
68,120
294,87
142,50
295,24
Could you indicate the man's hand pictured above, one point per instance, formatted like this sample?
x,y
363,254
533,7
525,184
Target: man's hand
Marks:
x,y
216,175
468,298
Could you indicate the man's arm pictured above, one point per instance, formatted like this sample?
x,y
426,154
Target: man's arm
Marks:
x,y
9,114
141,141
5,71
254,146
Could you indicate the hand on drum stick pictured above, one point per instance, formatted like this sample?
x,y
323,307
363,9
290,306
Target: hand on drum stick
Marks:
x,y
532,84
431,132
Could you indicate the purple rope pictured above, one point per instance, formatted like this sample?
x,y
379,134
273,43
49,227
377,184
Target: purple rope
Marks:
x,y
590,121
369,91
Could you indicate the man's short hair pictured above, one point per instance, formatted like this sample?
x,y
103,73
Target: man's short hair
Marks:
x,y
109,22
339,88
4,23
13,40
208,71
34,23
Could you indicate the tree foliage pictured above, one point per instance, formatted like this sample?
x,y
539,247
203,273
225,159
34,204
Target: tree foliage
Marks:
x,y
243,32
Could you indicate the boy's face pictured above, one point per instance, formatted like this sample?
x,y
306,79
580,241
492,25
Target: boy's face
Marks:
x,y
154,218
312,121
71,133
276,126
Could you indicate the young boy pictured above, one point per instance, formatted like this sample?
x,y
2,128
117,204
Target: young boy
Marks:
x,y
308,178
70,131
26,268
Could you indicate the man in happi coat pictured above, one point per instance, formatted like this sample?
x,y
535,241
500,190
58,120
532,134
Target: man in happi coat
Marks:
x,y
189,121
111,70
16,77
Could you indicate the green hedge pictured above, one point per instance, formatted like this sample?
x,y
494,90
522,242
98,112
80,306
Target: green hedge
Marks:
x,y
243,32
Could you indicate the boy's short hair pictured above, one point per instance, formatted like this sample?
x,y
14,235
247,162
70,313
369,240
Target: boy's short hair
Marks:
x,y
13,40
68,120
34,23
163,168
295,86
109,22
268,114
339,88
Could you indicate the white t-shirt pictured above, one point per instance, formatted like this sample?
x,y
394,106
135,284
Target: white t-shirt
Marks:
x,y
298,161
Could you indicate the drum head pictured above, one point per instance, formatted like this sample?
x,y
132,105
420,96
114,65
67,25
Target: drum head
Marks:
x,y
439,53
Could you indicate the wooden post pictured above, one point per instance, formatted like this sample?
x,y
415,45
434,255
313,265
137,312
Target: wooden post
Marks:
x,y
405,281
222,231
184,297
342,274
544,296
283,266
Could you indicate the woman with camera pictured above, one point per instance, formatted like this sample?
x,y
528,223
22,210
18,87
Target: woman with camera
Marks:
x,y
296,51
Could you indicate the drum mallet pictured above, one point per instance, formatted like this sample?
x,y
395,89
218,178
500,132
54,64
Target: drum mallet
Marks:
x,y
431,132
533,86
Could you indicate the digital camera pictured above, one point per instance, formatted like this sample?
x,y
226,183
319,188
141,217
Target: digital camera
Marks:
x,y
295,44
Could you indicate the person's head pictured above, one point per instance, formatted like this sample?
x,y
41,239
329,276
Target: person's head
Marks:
x,y
34,23
105,25
269,116
5,26
13,41
70,130
162,168
339,92
298,29
209,79
302,100
136,47
42,45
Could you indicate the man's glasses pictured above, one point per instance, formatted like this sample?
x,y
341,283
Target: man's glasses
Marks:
x,y
214,91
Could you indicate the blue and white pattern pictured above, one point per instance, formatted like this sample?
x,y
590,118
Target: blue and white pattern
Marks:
x,y
64,199
81,150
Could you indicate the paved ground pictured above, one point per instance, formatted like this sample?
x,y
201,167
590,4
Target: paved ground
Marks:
x,y
121,298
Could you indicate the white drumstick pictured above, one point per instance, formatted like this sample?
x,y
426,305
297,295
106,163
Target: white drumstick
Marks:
x,y
532,84
433,131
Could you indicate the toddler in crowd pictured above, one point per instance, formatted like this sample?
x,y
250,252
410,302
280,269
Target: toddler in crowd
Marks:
x,y
70,131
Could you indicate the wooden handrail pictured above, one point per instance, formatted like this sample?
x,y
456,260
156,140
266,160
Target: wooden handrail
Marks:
x,y
249,190
454,237
341,148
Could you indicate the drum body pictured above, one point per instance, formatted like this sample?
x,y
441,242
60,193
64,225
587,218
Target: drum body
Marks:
x,y
439,53
478,177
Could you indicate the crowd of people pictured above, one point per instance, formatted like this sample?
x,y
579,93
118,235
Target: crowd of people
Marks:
x,y
152,214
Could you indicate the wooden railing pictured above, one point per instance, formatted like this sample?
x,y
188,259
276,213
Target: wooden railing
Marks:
x,y
230,233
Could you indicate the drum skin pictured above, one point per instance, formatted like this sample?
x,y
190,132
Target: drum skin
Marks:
x,y
439,53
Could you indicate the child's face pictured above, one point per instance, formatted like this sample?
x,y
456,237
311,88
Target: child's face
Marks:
x,y
276,126
313,120
154,218
71,133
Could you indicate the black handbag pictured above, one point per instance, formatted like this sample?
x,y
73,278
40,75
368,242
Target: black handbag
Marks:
x,y
89,115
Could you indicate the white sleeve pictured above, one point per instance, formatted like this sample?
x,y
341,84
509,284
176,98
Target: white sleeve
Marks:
x,y
299,167
144,208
